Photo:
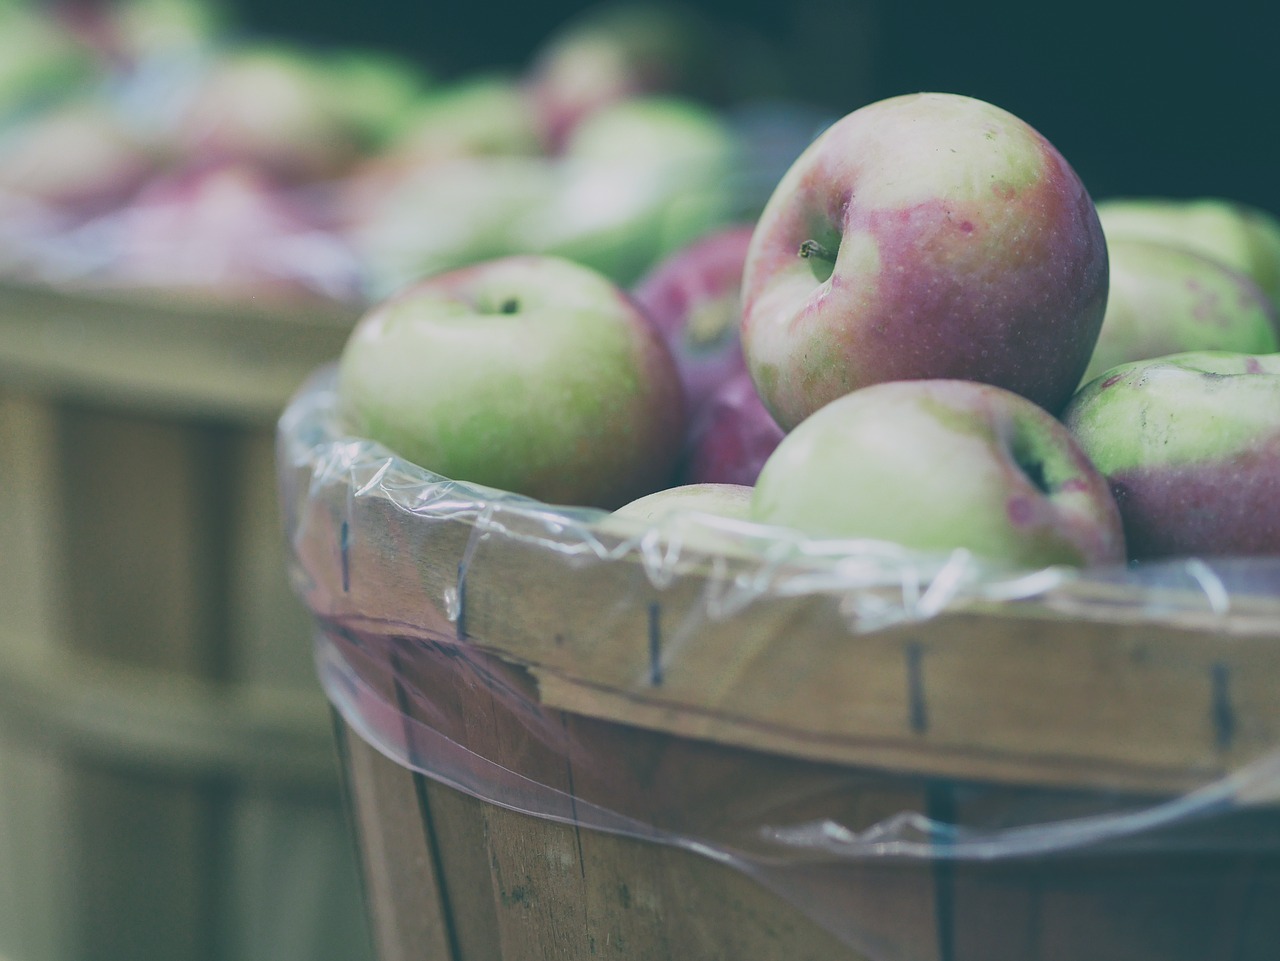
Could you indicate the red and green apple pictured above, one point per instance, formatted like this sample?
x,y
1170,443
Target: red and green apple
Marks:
x,y
1168,299
943,465
927,236
1190,444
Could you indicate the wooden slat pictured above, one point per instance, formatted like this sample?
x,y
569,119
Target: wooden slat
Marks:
x,y
31,527
35,880
141,850
145,566
304,837
268,629
151,651
1152,908
404,896
1020,693
524,888
171,356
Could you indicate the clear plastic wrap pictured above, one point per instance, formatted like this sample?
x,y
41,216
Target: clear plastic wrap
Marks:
x,y
792,708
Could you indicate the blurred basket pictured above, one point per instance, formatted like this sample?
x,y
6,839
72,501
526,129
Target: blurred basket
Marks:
x,y
564,741
168,788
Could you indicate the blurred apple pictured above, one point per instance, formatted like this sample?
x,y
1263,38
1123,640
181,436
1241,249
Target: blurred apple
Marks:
x,y
78,156
270,106
41,60
486,115
731,436
941,465
921,237
1245,238
613,52
446,216
131,34
376,92
229,233
480,115
637,181
530,374
695,297
1166,299
1190,444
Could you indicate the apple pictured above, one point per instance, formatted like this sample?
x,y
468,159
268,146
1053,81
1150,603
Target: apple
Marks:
x,y
80,156
229,232
480,115
731,436
927,236
695,297
608,53
40,58
446,216
941,465
637,181
527,373
1243,237
136,34
1190,444
1167,299
271,106
640,180
721,500
376,92
712,519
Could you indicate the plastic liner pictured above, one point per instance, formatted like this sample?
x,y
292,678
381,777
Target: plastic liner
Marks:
x,y
400,660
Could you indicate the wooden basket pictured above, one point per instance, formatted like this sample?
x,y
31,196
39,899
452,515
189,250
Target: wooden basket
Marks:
x,y
565,743
168,788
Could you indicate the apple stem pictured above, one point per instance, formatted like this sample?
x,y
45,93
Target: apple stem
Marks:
x,y
811,248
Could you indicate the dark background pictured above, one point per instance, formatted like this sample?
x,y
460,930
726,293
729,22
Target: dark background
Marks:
x,y
1142,99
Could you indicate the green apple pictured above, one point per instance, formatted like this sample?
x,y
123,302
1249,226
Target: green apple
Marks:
x,y
481,115
272,106
701,517
40,60
80,156
637,181
1190,444
142,30
1168,299
530,374
925,236
941,465
613,52
447,215
376,92
1243,237
722,500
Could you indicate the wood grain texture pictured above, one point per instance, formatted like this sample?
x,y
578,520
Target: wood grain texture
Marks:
x,y
171,356
153,658
1021,693
404,899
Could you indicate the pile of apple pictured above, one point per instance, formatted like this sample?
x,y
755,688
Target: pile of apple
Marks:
x,y
931,336
148,143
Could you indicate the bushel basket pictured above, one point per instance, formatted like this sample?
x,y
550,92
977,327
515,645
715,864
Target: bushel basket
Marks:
x,y
568,739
